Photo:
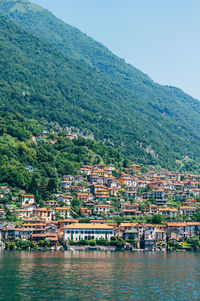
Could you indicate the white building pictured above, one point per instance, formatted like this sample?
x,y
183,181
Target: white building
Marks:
x,y
88,231
27,199
103,208
23,213
65,199
2,213
30,207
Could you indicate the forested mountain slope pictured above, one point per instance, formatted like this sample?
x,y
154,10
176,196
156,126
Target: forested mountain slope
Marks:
x,y
79,82
50,158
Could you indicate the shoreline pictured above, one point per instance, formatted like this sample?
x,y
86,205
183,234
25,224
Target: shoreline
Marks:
x,y
98,249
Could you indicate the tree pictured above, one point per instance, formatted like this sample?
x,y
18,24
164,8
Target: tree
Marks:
x,y
52,185
196,216
76,205
157,219
120,242
47,242
41,243
195,242
118,220
33,187
85,220
58,216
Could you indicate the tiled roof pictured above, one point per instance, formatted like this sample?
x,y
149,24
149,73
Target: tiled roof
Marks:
x,y
88,226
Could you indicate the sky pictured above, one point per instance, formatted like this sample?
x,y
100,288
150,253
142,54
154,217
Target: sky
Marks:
x,y
159,37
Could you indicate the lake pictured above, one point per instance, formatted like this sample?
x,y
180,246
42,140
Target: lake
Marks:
x,y
99,276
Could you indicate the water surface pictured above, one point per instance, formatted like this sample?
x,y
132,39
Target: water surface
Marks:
x,y
99,276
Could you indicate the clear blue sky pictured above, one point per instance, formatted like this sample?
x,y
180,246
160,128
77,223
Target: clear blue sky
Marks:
x,y
160,37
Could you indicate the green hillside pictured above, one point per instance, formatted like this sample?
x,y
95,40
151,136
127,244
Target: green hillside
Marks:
x,y
79,82
51,158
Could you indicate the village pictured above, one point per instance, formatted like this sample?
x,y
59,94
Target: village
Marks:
x,y
100,207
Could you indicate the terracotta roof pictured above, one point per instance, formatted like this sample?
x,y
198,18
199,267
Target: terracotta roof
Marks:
x,y
22,229
104,205
187,207
34,225
68,220
82,194
168,209
43,209
28,205
125,225
160,231
193,223
129,210
177,224
88,226
63,208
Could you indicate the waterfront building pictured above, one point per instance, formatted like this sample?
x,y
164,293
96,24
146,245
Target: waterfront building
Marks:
x,y
88,231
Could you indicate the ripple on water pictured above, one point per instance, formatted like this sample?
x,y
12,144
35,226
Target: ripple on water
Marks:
x,y
99,276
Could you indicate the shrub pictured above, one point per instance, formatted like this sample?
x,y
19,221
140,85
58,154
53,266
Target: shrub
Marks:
x,y
83,242
102,242
92,242
10,245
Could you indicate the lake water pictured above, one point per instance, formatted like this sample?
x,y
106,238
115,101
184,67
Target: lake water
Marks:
x,y
99,276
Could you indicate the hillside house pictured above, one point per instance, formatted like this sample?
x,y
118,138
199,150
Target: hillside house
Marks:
x,y
2,213
51,203
23,213
168,211
44,213
187,210
153,209
83,197
30,207
130,212
65,199
64,212
27,199
103,208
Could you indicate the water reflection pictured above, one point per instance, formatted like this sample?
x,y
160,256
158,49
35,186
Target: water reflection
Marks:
x,y
99,276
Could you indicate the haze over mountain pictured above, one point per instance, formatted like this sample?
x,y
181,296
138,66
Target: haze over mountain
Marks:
x,y
52,71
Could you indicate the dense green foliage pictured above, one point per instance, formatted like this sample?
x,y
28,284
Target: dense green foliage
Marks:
x,y
51,159
79,82
115,242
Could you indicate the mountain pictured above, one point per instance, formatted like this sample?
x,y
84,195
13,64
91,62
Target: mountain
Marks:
x,y
52,71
